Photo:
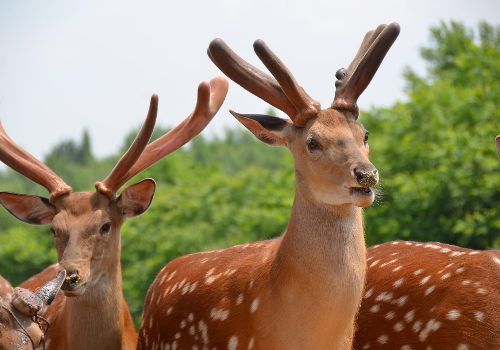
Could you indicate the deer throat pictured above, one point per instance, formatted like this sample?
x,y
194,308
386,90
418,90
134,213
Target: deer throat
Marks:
x,y
320,268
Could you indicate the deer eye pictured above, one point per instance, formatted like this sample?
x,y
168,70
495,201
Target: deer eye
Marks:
x,y
312,145
366,136
105,228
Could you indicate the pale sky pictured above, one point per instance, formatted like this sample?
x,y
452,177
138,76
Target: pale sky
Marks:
x,y
67,65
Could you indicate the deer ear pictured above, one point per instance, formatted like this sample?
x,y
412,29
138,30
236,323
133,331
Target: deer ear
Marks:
x,y
271,130
31,209
136,198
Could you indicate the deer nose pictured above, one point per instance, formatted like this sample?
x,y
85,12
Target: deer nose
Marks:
x,y
72,279
366,176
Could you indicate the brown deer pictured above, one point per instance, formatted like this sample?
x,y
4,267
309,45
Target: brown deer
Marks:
x,y
430,296
22,325
302,290
86,226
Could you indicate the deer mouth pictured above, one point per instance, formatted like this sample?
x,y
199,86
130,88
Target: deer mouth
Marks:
x,y
364,191
362,196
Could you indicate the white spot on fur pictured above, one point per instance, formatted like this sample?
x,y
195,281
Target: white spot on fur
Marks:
x,y
202,327
496,260
233,343
368,293
239,299
399,326
397,268
169,310
384,296
463,347
251,343
398,283
254,305
171,275
460,270
409,316
375,308
374,263
453,314
382,339
388,263
417,326
445,276
481,291
400,301
429,290
219,314
390,315
424,280
418,272
431,326
466,282
478,315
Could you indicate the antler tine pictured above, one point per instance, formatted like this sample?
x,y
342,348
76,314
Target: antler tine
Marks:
x,y
210,98
249,77
26,164
352,82
305,106
117,177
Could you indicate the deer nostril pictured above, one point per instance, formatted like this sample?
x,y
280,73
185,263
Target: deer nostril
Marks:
x,y
366,177
72,278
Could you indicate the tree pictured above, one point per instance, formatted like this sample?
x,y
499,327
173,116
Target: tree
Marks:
x,y
436,151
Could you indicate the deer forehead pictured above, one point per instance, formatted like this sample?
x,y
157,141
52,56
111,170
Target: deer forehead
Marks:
x,y
78,204
333,125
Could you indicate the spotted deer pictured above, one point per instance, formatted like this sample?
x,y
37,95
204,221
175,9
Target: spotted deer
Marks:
x,y
93,313
303,289
430,296
22,325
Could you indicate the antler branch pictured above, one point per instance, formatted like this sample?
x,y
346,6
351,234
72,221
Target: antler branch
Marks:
x,y
283,92
26,164
210,98
353,81
116,178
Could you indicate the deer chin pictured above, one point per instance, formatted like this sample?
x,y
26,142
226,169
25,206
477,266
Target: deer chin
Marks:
x,y
361,196
74,291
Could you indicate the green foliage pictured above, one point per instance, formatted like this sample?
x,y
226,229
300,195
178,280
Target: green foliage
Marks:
x,y
435,151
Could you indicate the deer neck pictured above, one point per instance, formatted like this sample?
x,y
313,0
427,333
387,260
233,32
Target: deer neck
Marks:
x,y
96,318
319,269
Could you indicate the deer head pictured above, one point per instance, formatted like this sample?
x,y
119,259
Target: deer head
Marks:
x,y
86,225
22,326
329,146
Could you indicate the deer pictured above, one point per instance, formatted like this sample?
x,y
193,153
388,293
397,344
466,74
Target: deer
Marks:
x,y
22,325
92,313
430,296
303,289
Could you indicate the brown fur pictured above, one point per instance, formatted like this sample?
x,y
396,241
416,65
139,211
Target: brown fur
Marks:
x,y
430,296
